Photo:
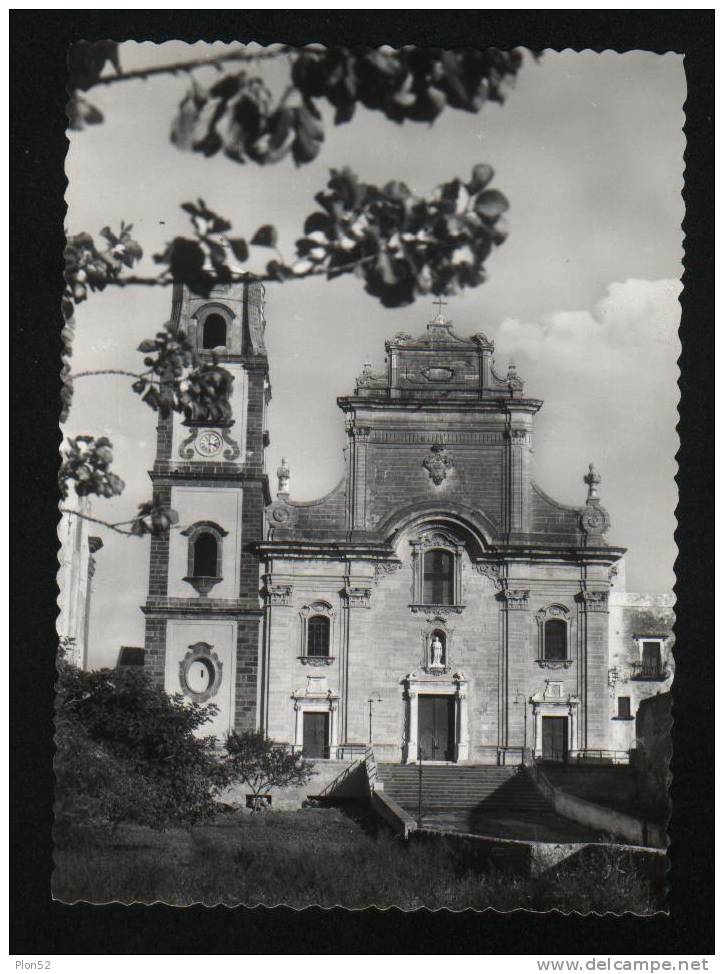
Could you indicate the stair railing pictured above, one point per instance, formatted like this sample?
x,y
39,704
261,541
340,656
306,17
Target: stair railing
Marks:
x,y
370,767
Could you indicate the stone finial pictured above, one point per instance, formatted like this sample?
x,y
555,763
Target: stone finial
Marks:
x,y
514,381
283,474
592,479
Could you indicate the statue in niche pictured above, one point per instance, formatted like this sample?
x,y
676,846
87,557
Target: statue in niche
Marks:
x,y
437,648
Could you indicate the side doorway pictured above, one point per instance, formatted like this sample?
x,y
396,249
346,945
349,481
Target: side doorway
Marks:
x,y
436,727
555,739
315,734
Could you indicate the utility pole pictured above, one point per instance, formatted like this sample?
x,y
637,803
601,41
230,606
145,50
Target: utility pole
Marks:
x,y
371,701
419,782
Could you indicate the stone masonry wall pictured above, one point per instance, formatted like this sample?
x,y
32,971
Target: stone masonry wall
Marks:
x,y
496,649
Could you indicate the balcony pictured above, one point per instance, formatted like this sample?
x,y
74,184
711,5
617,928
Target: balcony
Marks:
x,y
649,670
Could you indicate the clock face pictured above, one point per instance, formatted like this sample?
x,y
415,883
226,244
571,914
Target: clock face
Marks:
x,y
208,443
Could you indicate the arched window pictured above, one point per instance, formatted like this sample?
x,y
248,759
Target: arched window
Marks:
x,y
438,578
555,639
214,331
318,636
206,550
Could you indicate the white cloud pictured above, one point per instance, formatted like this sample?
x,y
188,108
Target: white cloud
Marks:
x,y
633,322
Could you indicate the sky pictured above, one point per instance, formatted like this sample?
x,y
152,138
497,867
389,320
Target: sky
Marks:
x,y
583,295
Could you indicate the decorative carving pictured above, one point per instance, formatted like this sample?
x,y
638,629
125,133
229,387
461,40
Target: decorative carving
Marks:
x,y
437,374
386,568
552,612
513,380
316,660
207,443
517,436
594,519
481,339
233,451
185,450
443,610
283,474
553,691
437,539
358,596
594,601
554,664
438,464
515,598
277,594
280,514
203,583
355,431
489,570
200,672
592,479
317,608
401,336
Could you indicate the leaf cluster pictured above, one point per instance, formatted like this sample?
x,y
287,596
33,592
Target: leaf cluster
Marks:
x,y
238,115
86,462
402,244
89,268
154,519
86,61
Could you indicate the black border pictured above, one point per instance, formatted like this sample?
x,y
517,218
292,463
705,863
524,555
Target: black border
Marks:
x,y
38,44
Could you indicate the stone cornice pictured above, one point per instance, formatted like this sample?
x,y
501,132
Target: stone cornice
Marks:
x,y
495,403
188,475
178,608
379,549
338,550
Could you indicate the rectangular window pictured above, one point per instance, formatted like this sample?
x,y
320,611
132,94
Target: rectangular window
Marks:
x,y
624,707
438,587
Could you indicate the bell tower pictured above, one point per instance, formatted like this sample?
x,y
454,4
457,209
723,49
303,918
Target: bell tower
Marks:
x,y
202,610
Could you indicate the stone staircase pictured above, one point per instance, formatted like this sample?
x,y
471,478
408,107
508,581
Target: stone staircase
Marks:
x,y
480,789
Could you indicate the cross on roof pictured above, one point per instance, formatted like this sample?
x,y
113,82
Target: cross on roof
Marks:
x,y
440,304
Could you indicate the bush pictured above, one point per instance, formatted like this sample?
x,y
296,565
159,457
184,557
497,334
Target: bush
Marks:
x,y
126,751
260,763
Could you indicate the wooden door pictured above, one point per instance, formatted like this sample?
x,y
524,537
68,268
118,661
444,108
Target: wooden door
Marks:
x,y
436,726
555,738
651,660
315,740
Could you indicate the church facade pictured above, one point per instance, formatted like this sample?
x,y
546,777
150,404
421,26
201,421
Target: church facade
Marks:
x,y
436,603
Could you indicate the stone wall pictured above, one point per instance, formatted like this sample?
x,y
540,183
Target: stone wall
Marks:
x,y
378,640
631,615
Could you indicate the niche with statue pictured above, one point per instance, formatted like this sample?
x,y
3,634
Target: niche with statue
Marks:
x,y
437,642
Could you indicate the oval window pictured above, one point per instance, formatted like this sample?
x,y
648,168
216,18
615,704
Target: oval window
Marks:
x,y
200,675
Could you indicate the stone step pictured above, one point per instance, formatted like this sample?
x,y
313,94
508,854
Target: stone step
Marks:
x,y
464,790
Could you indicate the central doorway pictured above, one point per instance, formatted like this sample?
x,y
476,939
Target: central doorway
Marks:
x,y
555,738
436,727
315,739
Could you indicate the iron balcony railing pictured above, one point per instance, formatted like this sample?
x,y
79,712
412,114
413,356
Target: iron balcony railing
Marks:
x,y
649,671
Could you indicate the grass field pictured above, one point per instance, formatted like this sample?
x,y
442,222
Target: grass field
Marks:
x,y
324,857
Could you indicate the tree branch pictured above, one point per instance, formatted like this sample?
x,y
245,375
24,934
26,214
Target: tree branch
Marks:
x,y
118,526
321,271
114,526
184,67
132,375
